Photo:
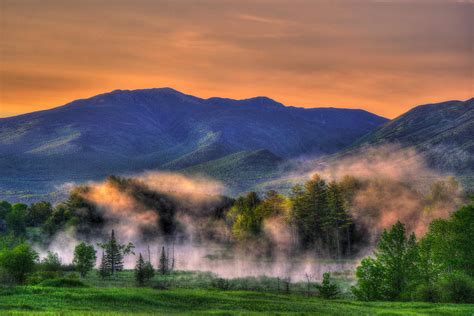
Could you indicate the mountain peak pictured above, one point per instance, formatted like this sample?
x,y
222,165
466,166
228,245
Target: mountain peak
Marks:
x,y
260,102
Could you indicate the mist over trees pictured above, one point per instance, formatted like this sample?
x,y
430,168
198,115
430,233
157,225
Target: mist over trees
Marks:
x,y
319,218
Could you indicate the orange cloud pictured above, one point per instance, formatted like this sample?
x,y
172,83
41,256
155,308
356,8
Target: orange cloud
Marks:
x,y
383,56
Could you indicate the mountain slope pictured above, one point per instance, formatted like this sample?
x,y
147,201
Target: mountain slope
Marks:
x,y
240,171
131,131
442,132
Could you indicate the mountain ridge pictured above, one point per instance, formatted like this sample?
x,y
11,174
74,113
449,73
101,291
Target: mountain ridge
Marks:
x,y
127,131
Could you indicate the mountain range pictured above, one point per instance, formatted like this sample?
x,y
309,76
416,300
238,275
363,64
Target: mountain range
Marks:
x,y
241,142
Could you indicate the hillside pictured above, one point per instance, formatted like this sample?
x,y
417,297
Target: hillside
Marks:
x,y
441,132
240,171
130,131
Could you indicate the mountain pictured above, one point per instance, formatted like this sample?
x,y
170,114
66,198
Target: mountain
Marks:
x,y
441,132
240,171
128,131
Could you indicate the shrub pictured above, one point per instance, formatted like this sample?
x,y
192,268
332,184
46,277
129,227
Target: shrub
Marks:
x,y
18,261
327,289
63,282
51,262
221,284
40,276
457,287
427,293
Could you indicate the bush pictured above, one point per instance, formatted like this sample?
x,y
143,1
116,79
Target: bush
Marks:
x,y
327,289
221,284
427,293
51,262
63,282
18,261
457,287
40,276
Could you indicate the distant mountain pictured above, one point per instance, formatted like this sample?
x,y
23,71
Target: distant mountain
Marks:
x,y
240,171
442,132
130,131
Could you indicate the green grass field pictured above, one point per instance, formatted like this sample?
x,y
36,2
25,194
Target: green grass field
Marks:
x,y
194,293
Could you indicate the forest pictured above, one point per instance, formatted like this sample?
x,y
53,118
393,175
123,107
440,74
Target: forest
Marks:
x,y
423,254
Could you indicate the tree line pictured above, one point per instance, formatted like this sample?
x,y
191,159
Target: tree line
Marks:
x,y
437,268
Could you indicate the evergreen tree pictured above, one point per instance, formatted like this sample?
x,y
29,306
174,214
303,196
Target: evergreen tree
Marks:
x,y
327,289
336,218
114,253
140,271
149,270
104,268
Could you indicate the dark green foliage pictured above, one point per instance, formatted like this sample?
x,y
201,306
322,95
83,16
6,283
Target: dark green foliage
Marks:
x,y
327,289
16,219
39,276
144,271
38,213
149,270
393,272
114,253
104,268
5,208
51,262
427,292
457,287
140,271
63,282
84,258
18,261
450,242
370,280
319,214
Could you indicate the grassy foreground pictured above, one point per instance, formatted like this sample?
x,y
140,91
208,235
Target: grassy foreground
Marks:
x,y
40,300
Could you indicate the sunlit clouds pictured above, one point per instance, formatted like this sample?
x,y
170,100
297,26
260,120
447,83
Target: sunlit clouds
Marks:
x,y
382,56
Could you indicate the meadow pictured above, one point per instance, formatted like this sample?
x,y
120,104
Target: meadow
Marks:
x,y
195,293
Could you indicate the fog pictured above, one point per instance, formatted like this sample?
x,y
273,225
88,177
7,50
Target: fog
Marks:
x,y
397,185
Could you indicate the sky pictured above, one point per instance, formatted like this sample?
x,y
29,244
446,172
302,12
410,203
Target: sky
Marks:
x,y
384,56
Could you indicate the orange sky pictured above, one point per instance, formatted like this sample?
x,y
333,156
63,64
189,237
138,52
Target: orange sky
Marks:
x,y
384,56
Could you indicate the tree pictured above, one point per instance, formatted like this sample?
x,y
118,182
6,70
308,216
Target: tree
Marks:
x,y
370,280
114,253
84,258
246,217
51,262
163,267
327,289
18,261
140,271
450,242
309,210
104,268
16,219
393,272
38,213
336,218
5,208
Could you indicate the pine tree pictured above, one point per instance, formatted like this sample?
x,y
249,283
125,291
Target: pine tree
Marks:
x,y
140,271
337,217
104,269
114,253
327,289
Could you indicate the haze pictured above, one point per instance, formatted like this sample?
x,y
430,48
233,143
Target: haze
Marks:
x,y
382,56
